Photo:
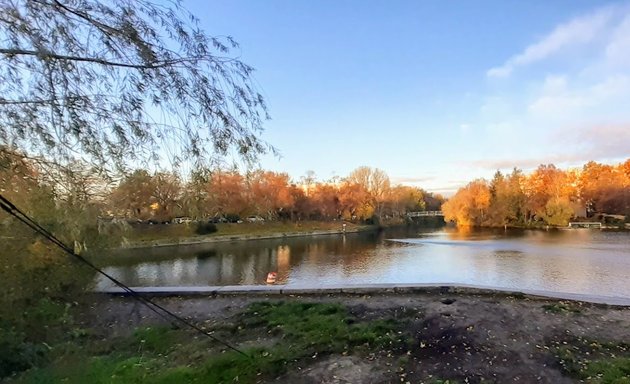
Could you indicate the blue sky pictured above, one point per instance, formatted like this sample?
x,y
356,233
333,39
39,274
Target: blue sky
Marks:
x,y
435,93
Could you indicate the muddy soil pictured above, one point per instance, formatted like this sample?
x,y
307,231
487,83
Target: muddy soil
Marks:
x,y
462,338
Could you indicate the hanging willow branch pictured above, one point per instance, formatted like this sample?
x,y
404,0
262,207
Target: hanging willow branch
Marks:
x,y
121,80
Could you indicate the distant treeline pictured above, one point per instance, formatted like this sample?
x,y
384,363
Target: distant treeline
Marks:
x,y
548,196
365,193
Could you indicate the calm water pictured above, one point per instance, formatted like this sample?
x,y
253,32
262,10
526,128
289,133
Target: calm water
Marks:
x,y
579,261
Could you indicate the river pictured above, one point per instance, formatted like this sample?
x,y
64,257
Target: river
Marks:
x,y
583,261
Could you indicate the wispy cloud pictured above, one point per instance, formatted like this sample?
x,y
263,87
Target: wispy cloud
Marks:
x,y
599,142
619,46
579,31
411,180
557,99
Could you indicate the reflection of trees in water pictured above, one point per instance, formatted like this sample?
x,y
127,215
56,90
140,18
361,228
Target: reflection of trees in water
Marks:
x,y
249,262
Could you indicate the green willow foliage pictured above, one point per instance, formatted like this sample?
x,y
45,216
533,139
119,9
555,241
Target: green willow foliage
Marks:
x,y
118,80
39,282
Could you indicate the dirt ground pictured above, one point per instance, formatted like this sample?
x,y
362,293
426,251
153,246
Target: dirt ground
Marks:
x,y
455,337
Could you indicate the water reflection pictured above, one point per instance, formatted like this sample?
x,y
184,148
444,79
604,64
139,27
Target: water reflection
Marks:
x,y
581,261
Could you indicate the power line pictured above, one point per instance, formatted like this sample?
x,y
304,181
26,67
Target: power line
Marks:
x,y
12,210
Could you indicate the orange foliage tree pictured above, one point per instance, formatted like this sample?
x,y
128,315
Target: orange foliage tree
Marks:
x,y
548,195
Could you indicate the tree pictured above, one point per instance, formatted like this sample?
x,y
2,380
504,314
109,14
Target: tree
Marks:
x,y
403,199
470,204
167,191
35,276
117,80
270,193
134,195
558,211
432,201
507,200
308,181
602,187
194,199
375,181
355,202
545,183
227,193
325,202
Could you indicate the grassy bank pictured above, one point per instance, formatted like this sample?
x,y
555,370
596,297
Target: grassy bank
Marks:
x,y
292,332
415,338
149,235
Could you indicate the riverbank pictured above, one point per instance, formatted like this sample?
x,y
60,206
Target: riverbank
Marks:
x,y
364,289
609,227
182,234
431,337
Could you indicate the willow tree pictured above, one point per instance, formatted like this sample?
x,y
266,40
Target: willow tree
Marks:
x,y
115,81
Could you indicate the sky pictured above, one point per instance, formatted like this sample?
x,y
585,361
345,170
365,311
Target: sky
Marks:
x,y
435,93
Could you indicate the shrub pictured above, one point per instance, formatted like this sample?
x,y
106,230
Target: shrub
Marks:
x,y
373,220
205,228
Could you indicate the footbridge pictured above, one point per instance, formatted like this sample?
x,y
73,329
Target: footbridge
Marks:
x,y
424,213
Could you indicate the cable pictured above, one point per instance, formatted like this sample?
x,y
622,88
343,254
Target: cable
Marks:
x,y
12,210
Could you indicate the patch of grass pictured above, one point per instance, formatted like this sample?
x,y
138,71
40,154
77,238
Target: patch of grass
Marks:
x,y
561,307
164,355
176,232
157,339
94,370
595,362
324,326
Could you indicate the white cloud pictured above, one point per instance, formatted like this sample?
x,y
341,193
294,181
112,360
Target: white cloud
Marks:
x,y
555,84
558,101
618,49
572,145
579,31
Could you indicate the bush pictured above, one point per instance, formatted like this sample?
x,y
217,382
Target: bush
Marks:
x,y
374,220
205,228
17,354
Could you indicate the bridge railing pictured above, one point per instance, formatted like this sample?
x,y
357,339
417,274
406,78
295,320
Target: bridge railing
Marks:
x,y
425,213
585,224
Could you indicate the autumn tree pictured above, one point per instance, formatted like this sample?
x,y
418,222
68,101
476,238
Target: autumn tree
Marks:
x,y
167,192
544,184
375,181
403,199
227,193
558,211
270,193
324,202
301,203
604,187
507,199
355,202
134,195
469,206
432,201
